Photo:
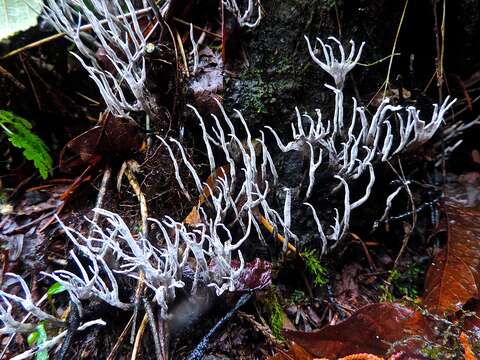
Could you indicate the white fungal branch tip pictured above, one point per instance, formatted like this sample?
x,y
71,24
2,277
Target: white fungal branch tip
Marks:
x,y
196,56
337,68
247,17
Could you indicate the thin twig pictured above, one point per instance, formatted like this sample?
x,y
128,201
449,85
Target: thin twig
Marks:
x,y
387,80
339,24
73,324
365,249
153,328
376,62
5,73
33,222
138,293
120,340
439,71
101,194
440,47
132,167
197,28
182,52
199,350
139,336
278,237
164,337
32,85
409,232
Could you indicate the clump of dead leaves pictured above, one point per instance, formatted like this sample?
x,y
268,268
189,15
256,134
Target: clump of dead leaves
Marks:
x,y
406,331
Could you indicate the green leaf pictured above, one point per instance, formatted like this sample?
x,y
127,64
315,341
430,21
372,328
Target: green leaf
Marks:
x,y
55,289
18,15
19,134
32,338
42,337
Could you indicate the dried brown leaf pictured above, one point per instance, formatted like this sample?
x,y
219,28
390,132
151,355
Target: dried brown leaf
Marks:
x,y
454,275
370,330
114,138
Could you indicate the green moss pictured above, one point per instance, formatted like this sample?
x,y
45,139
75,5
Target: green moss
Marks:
x,y
436,351
315,268
275,313
260,87
255,92
296,297
329,4
276,320
432,352
403,284
3,197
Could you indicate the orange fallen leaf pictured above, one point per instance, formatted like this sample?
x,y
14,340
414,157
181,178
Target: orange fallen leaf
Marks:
x,y
193,218
467,348
363,356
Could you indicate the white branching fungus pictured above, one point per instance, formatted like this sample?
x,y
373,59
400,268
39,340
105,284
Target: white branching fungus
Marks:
x,y
286,221
247,17
50,343
338,69
10,325
113,54
244,186
388,205
313,167
95,248
112,252
176,168
236,193
347,149
340,227
350,146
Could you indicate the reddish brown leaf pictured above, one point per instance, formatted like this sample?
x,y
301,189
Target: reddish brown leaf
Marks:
x,y
256,275
370,330
453,277
113,138
84,145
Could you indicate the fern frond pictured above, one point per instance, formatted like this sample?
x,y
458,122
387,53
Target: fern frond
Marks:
x,y
19,134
